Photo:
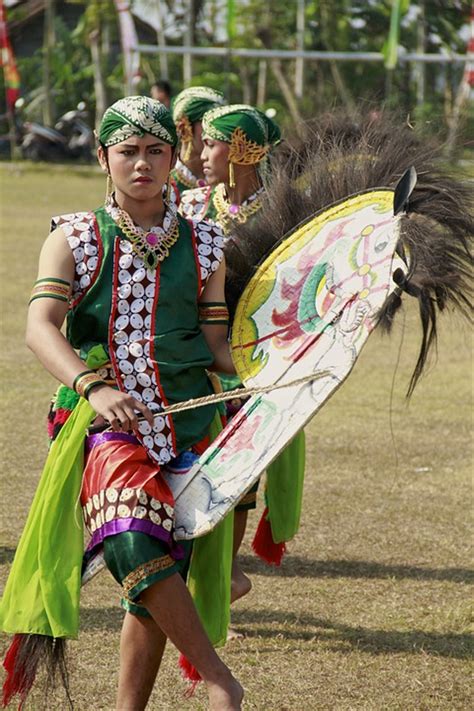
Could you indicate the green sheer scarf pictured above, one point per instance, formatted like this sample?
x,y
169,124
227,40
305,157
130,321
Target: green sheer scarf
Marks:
x,y
42,591
284,490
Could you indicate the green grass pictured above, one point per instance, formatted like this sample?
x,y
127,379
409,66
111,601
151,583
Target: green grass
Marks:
x,y
370,609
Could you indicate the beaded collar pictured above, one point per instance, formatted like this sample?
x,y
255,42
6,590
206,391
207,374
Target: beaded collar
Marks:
x,y
151,245
228,212
187,177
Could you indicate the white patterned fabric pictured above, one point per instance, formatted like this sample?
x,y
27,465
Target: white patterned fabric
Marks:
x,y
86,249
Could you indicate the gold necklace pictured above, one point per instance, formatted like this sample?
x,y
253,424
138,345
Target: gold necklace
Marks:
x,y
228,212
152,245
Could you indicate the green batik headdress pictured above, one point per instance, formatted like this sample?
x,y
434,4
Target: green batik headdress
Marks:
x,y
249,131
190,106
136,116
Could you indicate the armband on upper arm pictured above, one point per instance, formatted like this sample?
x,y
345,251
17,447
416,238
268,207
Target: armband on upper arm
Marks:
x,y
215,313
51,288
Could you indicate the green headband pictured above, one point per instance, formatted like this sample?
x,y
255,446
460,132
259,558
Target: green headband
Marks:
x,y
249,132
195,101
136,116
220,124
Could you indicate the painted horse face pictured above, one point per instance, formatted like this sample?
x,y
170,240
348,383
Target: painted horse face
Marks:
x,y
334,272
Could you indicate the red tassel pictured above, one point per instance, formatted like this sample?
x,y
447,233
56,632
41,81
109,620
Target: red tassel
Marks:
x,y
16,681
263,544
190,673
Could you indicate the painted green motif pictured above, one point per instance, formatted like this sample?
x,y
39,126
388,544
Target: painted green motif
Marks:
x,y
308,316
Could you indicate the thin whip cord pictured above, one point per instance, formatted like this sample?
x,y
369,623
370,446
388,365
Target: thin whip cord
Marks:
x,y
238,392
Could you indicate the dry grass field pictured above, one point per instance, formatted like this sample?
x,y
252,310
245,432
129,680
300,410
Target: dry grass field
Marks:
x,y
370,608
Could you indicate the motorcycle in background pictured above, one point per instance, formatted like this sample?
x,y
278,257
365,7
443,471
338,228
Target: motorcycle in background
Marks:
x,y
71,138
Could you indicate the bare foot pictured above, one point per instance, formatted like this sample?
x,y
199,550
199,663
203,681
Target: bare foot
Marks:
x,y
225,695
240,584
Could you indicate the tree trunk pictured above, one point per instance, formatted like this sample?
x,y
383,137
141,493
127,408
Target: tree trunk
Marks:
x,y
188,40
462,97
420,68
285,89
328,30
48,44
299,63
341,88
262,82
160,33
99,84
246,83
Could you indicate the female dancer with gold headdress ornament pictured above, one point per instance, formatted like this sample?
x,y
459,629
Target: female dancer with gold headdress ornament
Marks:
x,y
237,140
188,109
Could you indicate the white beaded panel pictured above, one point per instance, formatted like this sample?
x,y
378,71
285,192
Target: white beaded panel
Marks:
x,y
82,239
130,347
209,245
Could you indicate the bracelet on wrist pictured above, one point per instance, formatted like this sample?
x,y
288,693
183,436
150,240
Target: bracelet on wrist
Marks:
x,y
86,381
93,386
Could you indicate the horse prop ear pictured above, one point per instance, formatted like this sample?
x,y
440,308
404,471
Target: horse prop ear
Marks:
x,y
403,190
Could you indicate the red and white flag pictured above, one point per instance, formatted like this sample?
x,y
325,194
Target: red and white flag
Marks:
x,y
7,62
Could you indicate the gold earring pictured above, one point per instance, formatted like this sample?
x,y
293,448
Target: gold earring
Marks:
x,y
168,191
109,187
231,175
188,150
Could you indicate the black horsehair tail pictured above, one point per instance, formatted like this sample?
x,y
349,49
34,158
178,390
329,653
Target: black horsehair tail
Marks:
x,y
340,156
34,653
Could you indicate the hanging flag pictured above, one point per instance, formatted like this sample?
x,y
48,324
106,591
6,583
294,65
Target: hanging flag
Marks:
x,y
390,48
11,75
131,58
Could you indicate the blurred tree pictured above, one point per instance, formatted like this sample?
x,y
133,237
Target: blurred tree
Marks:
x,y
426,92
94,29
49,38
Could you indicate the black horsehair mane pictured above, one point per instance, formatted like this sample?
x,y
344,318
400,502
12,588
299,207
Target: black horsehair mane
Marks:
x,y
338,156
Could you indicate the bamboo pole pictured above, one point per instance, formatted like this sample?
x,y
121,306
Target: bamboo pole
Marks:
x,y
308,55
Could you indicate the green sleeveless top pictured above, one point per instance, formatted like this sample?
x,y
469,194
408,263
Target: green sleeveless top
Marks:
x,y
146,320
